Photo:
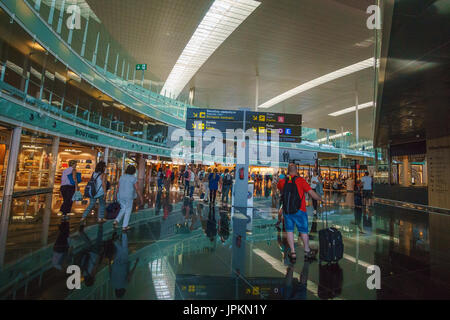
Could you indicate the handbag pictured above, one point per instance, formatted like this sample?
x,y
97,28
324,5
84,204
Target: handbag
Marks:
x,y
112,210
77,196
70,177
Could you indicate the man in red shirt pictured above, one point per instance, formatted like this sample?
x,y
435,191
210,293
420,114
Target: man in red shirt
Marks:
x,y
168,178
299,219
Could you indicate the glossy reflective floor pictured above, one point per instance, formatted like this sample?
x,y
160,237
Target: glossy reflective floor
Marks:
x,y
189,250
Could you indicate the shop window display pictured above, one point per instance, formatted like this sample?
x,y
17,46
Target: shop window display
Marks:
x,y
33,163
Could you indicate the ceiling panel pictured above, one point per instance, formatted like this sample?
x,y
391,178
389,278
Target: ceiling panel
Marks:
x,y
285,42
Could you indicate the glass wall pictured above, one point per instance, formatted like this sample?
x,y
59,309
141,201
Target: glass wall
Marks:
x,y
5,137
30,73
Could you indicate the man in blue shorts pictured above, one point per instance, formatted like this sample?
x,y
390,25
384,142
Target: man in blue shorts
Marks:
x,y
294,210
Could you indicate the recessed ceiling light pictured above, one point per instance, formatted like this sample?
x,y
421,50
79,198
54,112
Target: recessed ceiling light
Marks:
x,y
352,109
319,81
222,18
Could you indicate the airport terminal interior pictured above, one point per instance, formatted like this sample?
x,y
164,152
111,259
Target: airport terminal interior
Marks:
x,y
148,149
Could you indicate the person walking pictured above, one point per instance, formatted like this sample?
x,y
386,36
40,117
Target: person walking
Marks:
x,y
186,176
69,185
127,190
192,177
99,177
213,179
168,179
367,188
160,179
226,186
206,184
293,189
315,181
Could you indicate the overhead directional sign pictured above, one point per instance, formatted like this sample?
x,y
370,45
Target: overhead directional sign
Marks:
x,y
198,124
215,114
288,126
142,66
269,117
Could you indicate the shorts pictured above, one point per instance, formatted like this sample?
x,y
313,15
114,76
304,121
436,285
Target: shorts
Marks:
x,y
367,194
299,219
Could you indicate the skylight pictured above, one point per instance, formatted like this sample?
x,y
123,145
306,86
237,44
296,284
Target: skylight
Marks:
x,y
352,109
222,18
319,81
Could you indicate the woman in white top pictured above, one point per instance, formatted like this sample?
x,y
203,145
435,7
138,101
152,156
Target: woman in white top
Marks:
x,y
127,190
100,185
68,187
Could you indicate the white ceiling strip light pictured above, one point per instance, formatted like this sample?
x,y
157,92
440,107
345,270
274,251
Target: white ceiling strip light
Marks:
x,y
352,109
319,81
222,18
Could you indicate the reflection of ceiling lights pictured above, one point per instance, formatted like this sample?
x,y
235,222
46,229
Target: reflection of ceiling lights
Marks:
x,y
319,81
222,18
352,109
335,136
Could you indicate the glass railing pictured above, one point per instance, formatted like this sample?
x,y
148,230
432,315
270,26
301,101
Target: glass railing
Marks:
x,y
64,108
112,65
96,46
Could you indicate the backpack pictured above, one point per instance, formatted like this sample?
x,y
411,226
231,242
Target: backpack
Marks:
x,y
186,174
291,199
202,174
172,176
90,191
227,180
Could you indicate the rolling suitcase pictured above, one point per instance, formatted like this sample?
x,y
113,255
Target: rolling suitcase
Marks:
x,y
331,246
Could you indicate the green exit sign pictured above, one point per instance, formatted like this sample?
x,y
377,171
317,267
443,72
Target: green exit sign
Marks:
x,y
141,67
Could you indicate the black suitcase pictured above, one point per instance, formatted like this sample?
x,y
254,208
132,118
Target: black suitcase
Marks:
x,y
331,246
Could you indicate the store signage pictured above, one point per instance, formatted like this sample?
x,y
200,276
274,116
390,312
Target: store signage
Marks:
x,y
86,134
72,150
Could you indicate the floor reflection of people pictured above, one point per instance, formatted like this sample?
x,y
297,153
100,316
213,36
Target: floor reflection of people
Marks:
x,y
295,289
158,203
167,206
211,225
119,270
61,248
91,256
224,226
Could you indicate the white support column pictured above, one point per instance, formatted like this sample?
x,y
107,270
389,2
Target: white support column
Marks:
x,y
141,172
49,197
8,190
83,47
106,155
356,114
257,93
